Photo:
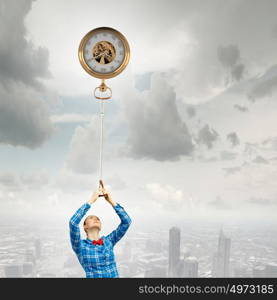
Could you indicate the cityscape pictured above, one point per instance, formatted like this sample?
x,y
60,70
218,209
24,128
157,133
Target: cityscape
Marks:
x,y
192,250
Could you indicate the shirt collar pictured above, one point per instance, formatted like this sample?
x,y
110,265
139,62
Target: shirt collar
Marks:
x,y
90,241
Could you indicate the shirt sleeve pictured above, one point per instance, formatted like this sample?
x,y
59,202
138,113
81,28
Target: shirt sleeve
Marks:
x,y
75,236
119,232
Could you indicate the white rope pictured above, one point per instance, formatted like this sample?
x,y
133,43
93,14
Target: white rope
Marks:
x,y
101,136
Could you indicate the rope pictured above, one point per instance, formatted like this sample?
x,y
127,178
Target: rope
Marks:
x,y
101,136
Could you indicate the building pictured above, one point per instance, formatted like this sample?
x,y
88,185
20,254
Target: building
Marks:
x,y
27,269
30,256
258,272
189,267
174,252
271,270
221,259
14,271
156,272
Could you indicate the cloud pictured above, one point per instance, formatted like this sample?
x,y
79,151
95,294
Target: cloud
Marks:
x,y
69,181
233,138
265,86
70,118
227,155
19,60
260,160
231,170
156,130
83,156
24,115
241,108
243,25
229,56
191,111
270,143
143,81
274,31
219,203
9,180
36,179
262,201
207,136
33,180
115,182
237,72
166,196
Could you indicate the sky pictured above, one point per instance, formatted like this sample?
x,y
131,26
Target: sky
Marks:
x,y
191,129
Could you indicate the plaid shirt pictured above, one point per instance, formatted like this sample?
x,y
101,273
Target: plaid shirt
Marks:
x,y
98,261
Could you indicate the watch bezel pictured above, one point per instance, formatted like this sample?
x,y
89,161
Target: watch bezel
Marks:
x,y
88,69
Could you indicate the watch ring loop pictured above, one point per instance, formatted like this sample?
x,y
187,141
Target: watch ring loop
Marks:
x,y
101,90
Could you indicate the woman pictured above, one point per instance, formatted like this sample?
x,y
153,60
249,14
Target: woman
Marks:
x,y
96,254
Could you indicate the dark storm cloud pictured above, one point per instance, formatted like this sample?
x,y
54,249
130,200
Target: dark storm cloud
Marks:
x,y
233,138
24,116
156,129
246,25
229,56
241,108
19,60
207,136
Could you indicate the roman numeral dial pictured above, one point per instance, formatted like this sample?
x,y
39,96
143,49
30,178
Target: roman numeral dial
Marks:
x,y
104,52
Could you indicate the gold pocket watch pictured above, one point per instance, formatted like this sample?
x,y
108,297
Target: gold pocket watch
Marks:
x,y
104,53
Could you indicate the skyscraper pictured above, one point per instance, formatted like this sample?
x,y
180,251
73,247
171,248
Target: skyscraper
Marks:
x,y
221,260
271,270
174,251
189,267
30,256
28,269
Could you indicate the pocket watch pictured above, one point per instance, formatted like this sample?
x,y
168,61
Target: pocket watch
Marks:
x,y
104,53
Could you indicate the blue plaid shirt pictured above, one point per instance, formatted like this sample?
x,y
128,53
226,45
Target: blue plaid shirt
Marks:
x,y
98,261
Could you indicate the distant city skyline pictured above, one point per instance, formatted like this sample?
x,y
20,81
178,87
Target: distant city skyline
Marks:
x,y
187,252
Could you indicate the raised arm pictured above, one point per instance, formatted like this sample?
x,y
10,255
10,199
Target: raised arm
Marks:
x,y
75,235
119,232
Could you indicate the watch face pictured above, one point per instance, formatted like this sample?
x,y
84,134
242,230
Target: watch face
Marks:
x,y
104,52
